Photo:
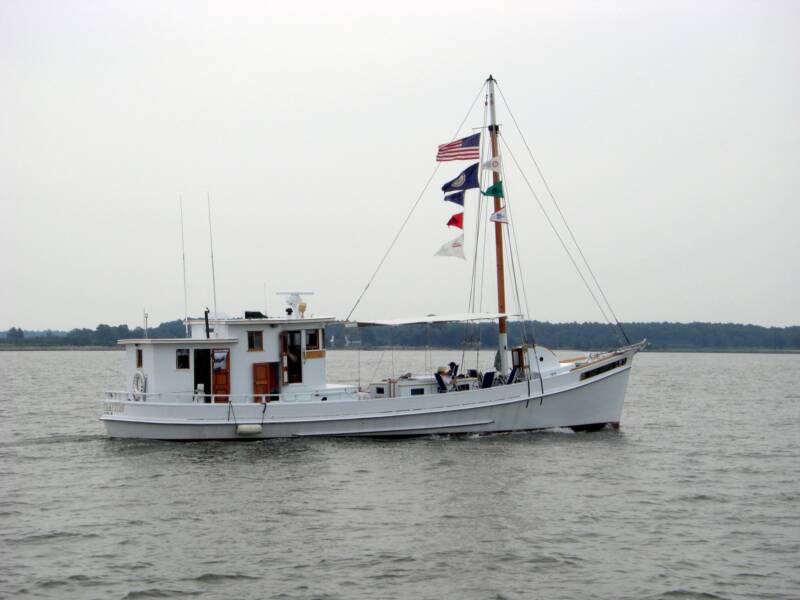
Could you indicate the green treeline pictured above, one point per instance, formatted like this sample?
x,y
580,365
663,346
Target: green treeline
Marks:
x,y
582,336
102,335
579,336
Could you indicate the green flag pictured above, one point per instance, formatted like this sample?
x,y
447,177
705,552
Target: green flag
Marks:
x,y
495,190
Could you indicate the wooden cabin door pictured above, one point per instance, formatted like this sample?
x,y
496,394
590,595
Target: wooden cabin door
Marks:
x,y
266,380
220,374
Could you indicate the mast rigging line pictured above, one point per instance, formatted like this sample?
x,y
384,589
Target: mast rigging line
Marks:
x,y
413,208
558,236
473,291
514,267
513,238
560,213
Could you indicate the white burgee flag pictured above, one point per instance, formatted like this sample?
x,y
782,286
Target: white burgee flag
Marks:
x,y
454,247
493,164
500,216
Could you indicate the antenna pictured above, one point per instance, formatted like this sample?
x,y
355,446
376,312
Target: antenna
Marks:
x,y
265,298
145,322
183,259
211,242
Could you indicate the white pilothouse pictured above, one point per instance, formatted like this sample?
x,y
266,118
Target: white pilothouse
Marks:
x,y
265,377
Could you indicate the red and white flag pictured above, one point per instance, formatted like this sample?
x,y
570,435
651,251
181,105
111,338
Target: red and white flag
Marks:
x,y
493,164
454,247
468,148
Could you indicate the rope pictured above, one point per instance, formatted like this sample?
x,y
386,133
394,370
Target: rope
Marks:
x,y
561,214
513,237
478,210
377,366
231,412
358,356
411,212
558,236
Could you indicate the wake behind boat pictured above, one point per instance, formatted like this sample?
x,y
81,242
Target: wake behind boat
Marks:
x,y
265,377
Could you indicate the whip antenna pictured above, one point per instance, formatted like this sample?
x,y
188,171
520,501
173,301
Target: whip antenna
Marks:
x,y
211,243
183,259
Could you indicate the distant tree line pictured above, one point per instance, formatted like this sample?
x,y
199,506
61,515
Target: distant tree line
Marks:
x,y
580,336
583,336
102,335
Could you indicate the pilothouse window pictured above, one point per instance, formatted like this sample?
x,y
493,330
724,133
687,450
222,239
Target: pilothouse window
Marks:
x,y
312,339
138,358
220,360
255,340
182,358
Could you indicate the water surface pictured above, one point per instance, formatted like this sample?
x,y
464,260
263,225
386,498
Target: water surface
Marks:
x,y
696,496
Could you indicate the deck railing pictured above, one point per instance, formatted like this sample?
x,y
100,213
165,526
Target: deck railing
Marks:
x,y
198,398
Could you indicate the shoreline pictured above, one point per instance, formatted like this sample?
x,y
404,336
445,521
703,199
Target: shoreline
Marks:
x,y
59,348
438,348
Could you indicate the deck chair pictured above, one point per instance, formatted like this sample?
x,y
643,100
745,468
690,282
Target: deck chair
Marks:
x,y
512,376
440,383
488,379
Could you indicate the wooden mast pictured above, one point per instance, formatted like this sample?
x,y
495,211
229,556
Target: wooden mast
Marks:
x,y
502,342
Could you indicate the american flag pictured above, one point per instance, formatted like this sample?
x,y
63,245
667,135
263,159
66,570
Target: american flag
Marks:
x,y
467,148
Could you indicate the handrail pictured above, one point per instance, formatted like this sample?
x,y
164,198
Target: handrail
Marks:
x,y
198,398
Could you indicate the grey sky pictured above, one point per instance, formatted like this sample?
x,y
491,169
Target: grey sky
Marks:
x,y
669,131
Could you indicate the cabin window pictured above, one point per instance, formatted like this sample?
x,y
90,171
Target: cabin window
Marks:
x,y
312,339
380,390
220,360
255,340
603,369
417,391
182,358
138,358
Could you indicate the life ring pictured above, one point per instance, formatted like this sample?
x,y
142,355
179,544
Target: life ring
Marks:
x,y
139,385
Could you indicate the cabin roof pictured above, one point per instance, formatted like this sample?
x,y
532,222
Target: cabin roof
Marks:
x,y
179,342
264,321
460,317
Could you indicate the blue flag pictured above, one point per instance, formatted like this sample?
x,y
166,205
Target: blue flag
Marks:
x,y
458,198
466,181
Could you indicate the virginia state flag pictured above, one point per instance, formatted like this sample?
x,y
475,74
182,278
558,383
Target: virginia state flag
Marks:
x,y
466,181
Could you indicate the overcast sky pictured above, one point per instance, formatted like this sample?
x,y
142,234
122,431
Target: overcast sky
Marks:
x,y
669,132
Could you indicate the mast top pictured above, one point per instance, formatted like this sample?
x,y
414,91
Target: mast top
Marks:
x,y
491,78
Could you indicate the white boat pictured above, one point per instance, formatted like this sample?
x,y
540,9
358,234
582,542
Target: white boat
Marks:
x,y
265,377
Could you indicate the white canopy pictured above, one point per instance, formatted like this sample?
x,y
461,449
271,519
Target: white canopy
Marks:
x,y
437,319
